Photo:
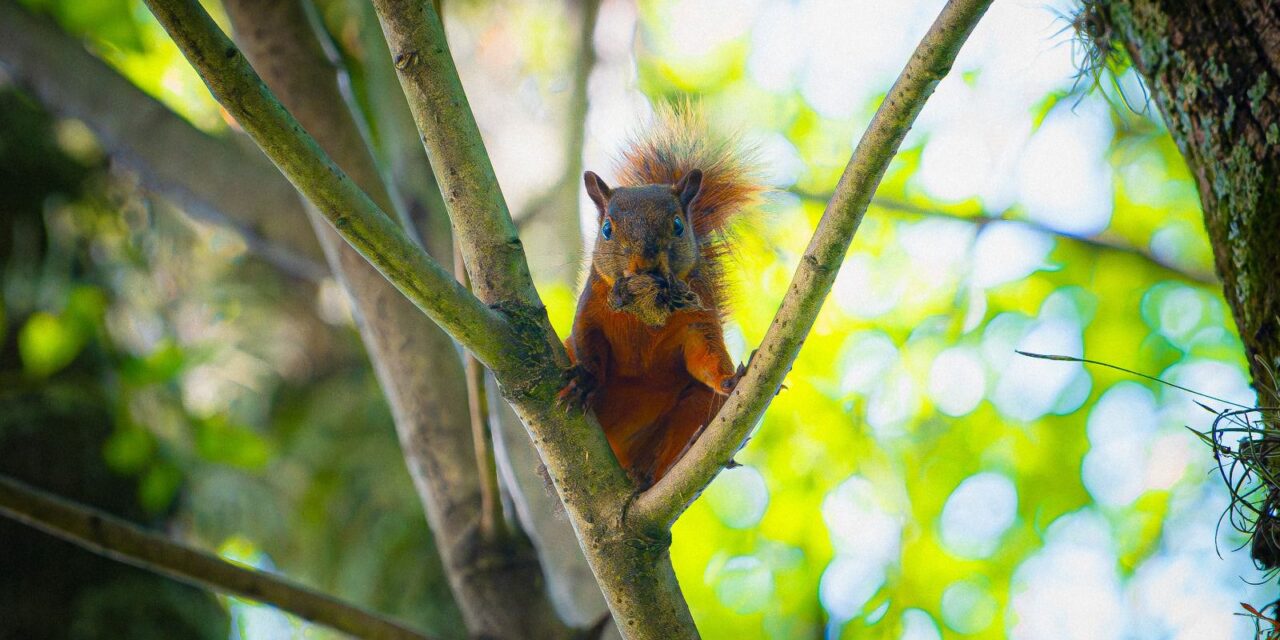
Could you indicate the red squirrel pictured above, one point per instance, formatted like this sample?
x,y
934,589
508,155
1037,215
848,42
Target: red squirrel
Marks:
x,y
648,341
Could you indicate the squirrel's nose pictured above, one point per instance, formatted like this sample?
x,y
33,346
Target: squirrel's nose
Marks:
x,y
646,264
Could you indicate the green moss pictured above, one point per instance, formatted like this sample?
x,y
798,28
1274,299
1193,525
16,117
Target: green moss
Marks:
x,y
1259,91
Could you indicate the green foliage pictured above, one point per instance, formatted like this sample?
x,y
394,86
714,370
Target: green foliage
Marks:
x,y
47,344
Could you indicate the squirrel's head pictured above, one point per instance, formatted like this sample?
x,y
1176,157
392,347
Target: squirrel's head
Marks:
x,y
644,230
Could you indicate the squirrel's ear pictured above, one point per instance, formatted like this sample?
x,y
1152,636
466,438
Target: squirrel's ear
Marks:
x,y
598,190
688,187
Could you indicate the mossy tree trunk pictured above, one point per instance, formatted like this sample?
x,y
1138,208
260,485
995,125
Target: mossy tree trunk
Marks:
x,y
1213,68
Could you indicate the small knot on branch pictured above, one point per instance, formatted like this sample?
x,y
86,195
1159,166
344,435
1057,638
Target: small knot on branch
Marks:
x,y
405,60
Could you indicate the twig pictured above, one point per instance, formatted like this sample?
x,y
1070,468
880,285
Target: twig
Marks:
x,y
984,218
492,523
1044,356
659,506
543,203
122,541
357,218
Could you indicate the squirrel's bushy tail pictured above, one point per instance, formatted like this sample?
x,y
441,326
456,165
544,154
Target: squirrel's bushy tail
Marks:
x,y
679,141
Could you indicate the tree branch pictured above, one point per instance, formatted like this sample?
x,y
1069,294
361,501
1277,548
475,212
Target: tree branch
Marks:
x,y
119,540
634,572
361,222
659,506
492,523
482,224
215,178
496,585
1096,242
985,218
398,144
538,509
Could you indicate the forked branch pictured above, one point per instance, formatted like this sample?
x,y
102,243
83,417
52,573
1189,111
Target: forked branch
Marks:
x,y
627,552
355,216
664,502
120,540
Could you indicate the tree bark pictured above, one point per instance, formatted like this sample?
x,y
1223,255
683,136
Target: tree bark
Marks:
x,y
498,587
1214,70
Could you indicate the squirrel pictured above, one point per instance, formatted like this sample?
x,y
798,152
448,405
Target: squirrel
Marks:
x,y
647,344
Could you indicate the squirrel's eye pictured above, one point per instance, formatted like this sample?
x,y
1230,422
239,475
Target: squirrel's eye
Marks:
x,y
679,226
606,229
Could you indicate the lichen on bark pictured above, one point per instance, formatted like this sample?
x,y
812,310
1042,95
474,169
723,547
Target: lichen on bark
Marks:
x,y
1213,68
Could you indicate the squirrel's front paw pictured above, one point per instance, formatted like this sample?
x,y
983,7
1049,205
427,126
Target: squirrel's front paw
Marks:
x,y
677,296
621,296
731,382
579,390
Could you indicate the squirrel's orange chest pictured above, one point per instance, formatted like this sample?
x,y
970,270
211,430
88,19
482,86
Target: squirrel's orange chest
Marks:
x,y
639,351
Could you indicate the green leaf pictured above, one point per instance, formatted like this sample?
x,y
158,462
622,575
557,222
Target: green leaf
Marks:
x,y
218,441
164,362
128,450
159,487
86,307
48,343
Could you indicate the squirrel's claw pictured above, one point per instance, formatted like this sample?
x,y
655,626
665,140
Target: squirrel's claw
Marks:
x,y
731,383
579,390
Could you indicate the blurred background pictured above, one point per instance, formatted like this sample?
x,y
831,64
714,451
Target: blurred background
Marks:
x,y
916,480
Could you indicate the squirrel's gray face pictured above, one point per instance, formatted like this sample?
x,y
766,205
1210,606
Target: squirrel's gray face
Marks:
x,y
644,230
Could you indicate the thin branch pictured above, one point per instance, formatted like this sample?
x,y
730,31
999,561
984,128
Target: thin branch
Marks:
x,y
985,218
400,151
492,523
214,178
357,218
1097,242
544,203
122,541
659,506
481,222
562,197
1061,358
